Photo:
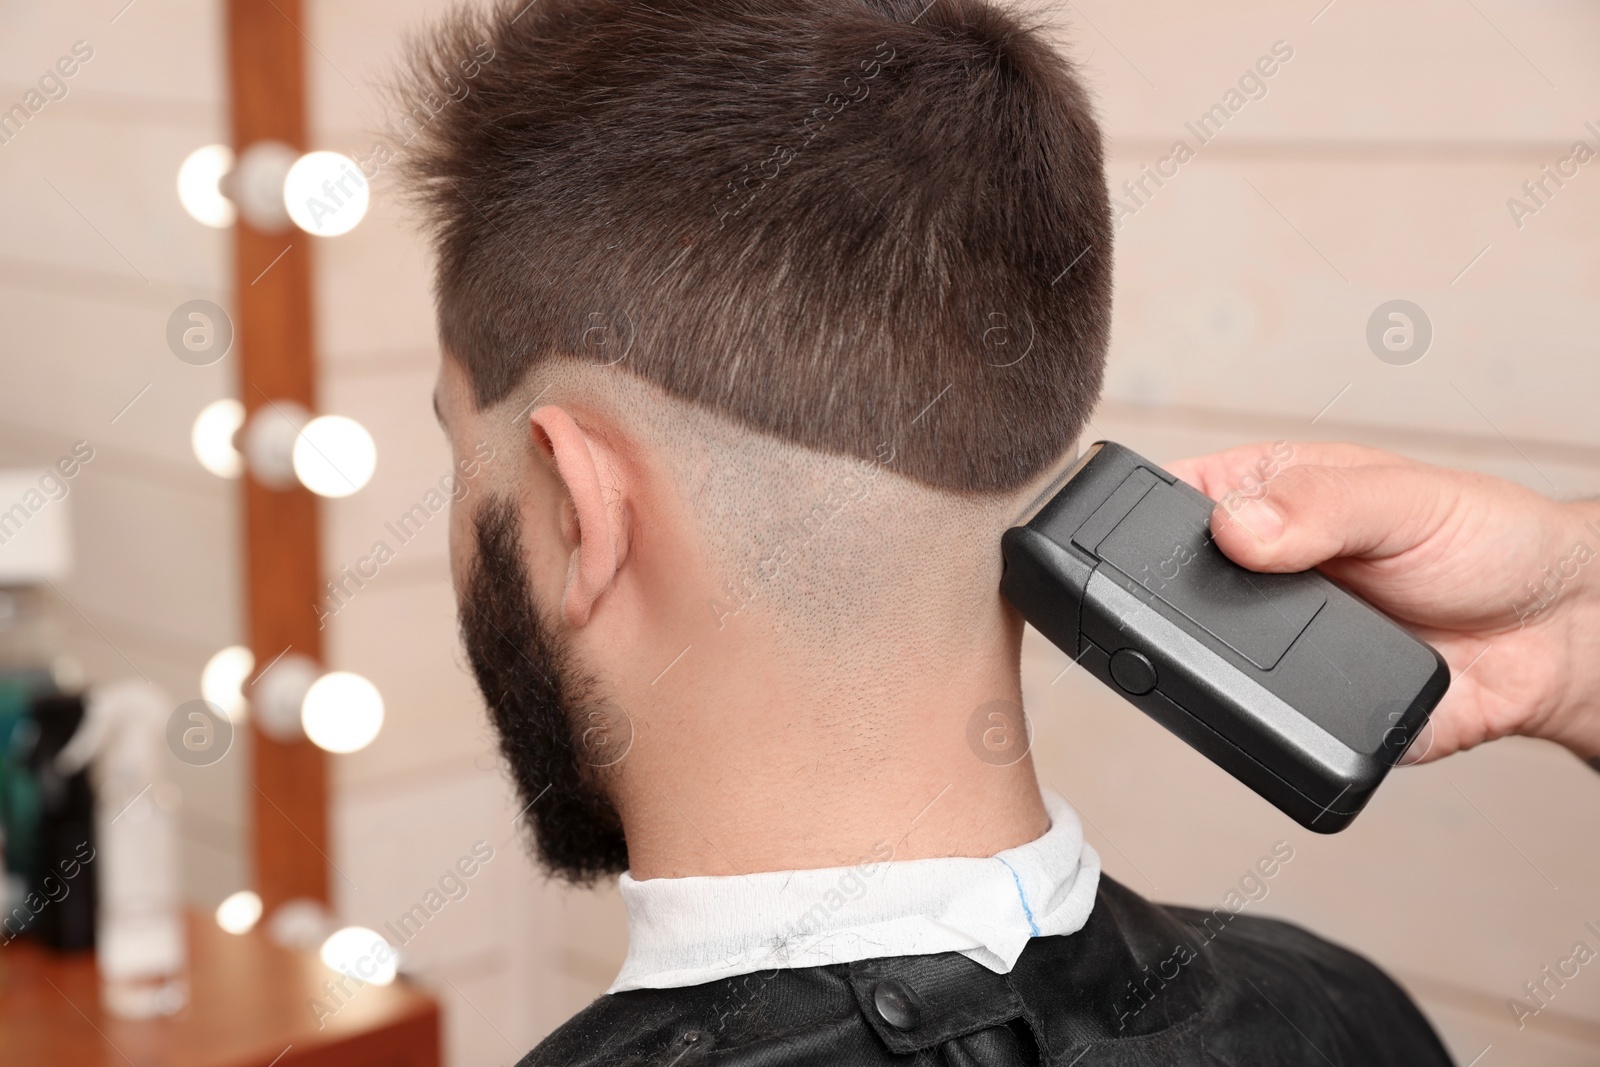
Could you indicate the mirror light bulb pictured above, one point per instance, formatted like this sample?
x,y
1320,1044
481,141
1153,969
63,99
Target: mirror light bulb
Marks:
x,y
212,438
360,953
199,185
278,695
325,193
300,923
334,456
240,912
342,712
222,680
257,184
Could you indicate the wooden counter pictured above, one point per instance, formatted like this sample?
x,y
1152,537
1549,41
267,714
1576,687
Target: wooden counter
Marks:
x,y
249,1006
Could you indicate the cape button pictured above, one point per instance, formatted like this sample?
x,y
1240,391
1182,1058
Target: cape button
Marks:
x,y
897,1004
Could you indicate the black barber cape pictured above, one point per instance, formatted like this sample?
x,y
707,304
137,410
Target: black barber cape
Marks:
x,y
1140,984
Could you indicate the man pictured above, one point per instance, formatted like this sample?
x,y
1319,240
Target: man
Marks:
x,y
776,315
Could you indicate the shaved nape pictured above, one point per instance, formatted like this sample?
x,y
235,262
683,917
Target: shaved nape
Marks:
x,y
820,547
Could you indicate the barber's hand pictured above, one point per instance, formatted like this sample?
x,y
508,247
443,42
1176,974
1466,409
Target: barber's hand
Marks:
x,y
1505,583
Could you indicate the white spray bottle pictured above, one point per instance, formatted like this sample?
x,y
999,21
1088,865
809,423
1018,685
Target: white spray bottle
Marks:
x,y
139,934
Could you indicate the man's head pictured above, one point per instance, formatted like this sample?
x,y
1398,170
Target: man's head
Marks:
x,y
770,312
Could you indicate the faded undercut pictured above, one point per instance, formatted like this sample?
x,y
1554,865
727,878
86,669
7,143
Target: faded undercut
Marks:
x,y
843,223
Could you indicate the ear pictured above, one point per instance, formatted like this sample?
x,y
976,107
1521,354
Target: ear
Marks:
x,y
597,527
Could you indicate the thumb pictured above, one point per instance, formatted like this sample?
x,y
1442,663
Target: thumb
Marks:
x,y
1310,514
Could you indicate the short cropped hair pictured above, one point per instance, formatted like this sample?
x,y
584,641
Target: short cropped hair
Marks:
x,y
843,223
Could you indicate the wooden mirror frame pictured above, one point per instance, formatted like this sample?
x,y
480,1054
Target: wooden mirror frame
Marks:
x,y
273,337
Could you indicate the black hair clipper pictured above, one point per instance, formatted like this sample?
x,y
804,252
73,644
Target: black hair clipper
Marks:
x,y
1300,690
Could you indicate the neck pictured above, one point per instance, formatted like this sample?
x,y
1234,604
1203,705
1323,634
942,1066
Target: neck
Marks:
x,y
854,694
912,752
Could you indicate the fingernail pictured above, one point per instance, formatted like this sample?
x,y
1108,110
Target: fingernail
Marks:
x,y
1261,519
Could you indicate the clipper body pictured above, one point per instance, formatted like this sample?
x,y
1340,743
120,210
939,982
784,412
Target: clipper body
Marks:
x,y
1300,690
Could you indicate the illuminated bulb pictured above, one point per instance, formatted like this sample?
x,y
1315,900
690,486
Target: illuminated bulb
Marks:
x,y
268,442
342,712
212,438
277,696
222,680
334,456
325,193
240,912
299,923
256,184
199,185
360,953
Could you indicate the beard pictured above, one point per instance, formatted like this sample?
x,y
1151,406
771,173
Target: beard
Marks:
x,y
537,696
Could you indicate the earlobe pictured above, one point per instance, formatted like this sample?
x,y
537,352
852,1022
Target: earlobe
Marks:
x,y
600,540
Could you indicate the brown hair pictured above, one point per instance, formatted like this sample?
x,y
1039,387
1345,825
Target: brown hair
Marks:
x,y
843,222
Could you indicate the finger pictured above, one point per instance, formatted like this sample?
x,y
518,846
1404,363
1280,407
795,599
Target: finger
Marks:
x,y
1220,472
1310,514
1195,470
1455,723
1244,467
